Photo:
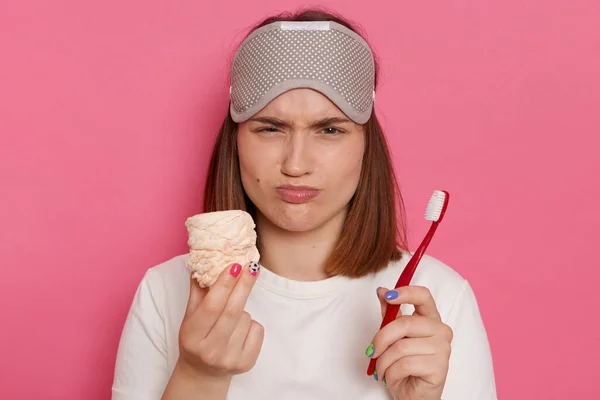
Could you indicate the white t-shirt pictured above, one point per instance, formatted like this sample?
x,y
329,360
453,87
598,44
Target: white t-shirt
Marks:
x,y
316,334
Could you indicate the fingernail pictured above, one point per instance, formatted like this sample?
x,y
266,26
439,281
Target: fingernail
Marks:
x,y
254,268
235,270
375,375
377,290
391,295
384,382
370,350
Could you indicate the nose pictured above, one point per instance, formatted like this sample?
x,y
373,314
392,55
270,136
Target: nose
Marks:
x,y
296,160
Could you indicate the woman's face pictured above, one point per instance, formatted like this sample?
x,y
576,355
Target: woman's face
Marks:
x,y
300,160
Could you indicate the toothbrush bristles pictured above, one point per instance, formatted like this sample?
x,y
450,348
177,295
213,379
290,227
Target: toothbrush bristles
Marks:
x,y
435,206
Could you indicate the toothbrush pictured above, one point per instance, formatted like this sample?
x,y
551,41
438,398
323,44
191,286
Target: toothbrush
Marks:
x,y
435,212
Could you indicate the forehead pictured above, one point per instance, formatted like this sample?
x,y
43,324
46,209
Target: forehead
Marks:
x,y
301,104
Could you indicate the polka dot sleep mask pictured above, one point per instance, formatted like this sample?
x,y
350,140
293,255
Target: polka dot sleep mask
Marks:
x,y
324,56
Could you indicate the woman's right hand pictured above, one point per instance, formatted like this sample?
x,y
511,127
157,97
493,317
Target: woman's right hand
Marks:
x,y
217,338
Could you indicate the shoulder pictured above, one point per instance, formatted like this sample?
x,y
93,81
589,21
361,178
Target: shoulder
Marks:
x,y
168,282
445,284
170,271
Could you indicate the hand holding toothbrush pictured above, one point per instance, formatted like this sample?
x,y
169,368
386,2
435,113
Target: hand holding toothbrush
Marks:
x,y
413,351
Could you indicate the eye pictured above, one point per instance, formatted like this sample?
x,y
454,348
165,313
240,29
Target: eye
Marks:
x,y
269,129
332,131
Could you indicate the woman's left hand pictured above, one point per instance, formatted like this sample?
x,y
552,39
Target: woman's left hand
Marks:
x,y
413,351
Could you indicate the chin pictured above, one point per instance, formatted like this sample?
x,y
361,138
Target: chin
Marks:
x,y
298,217
291,225
294,218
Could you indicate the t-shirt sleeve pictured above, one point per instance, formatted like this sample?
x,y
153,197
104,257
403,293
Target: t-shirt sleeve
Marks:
x,y
471,373
141,367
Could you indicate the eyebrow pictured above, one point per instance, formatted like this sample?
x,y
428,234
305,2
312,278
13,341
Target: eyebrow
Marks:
x,y
322,123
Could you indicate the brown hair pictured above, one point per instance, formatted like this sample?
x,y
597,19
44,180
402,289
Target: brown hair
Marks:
x,y
374,230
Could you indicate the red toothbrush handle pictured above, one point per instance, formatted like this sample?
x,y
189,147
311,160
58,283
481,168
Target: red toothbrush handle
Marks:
x,y
391,311
390,315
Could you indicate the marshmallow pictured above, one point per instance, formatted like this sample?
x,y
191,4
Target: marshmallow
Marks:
x,y
217,240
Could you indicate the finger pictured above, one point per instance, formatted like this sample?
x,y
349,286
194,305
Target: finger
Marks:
x,y
196,296
418,296
252,346
234,307
411,347
407,326
381,291
431,368
215,300
239,334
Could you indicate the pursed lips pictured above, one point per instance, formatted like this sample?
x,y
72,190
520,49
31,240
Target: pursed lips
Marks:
x,y
297,194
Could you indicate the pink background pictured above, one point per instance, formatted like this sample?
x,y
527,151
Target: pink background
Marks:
x,y
108,111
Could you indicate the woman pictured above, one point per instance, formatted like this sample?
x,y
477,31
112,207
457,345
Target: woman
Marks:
x,y
301,150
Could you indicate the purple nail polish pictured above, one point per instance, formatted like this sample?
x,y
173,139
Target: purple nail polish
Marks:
x,y
391,295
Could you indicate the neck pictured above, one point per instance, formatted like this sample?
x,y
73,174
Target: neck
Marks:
x,y
297,255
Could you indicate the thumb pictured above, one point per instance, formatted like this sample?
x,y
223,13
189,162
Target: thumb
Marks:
x,y
381,296
196,296
381,291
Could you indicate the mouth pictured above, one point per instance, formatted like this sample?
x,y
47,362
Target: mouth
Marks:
x,y
297,194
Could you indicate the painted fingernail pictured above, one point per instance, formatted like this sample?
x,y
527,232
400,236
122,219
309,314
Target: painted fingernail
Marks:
x,y
235,270
391,295
254,268
370,350
375,375
384,382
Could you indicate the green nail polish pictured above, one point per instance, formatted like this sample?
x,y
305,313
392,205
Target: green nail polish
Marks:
x,y
370,350
375,375
384,382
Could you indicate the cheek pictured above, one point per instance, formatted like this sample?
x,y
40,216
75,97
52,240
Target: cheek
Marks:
x,y
255,162
249,167
249,164
344,170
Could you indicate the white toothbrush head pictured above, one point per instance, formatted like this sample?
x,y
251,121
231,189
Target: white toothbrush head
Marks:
x,y
436,206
